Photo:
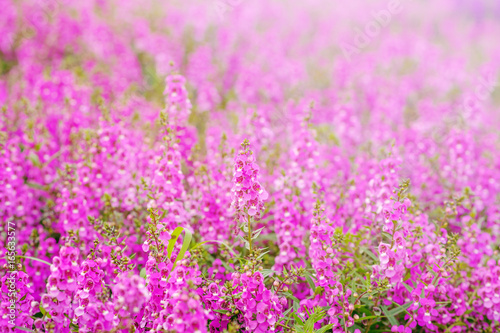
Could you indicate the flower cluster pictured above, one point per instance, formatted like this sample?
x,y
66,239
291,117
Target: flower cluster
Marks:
x,y
175,303
17,303
131,199
93,312
393,256
130,294
61,287
247,193
245,301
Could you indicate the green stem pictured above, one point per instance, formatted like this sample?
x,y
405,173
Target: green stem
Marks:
x,y
371,320
250,234
32,258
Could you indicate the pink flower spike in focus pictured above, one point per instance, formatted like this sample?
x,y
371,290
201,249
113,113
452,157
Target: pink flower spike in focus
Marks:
x,y
248,195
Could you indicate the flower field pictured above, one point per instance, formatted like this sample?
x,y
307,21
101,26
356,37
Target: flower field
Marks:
x,y
249,166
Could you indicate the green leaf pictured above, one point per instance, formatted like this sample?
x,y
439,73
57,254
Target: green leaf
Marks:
x,y
257,232
364,310
70,320
368,317
173,239
286,312
42,309
389,316
267,272
23,329
262,254
431,269
319,291
400,309
37,315
296,306
142,274
316,316
324,328
310,281
298,329
35,159
74,328
297,319
436,281
354,328
408,287
459,323
293,298
387,235
32,258
370,253
215,241
244,241
185,245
